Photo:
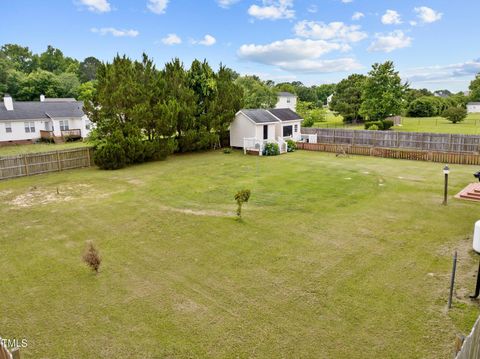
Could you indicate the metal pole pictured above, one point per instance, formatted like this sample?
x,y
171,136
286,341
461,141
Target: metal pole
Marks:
x,y
477,289
452,280
445,192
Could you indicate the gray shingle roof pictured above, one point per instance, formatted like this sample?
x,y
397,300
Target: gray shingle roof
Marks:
x,y
286,94
285,114
38,110
474,103
260,116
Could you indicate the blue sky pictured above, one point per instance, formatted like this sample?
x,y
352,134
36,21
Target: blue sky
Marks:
x,y
434,43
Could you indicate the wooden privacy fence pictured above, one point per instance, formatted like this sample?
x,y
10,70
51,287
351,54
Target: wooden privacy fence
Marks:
x,y
37,163
471,345
441,142
415,155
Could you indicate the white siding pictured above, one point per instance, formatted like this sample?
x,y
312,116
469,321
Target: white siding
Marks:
x,y
287,102
473,108
271,132
295,134
241,128
18,130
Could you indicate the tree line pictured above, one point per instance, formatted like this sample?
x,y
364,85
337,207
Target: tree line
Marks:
x,y
25,75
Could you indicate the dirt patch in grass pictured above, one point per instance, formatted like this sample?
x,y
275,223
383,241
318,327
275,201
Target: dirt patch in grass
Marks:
x,y
197,212
42,196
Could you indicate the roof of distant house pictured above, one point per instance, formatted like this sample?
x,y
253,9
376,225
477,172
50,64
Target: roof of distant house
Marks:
x,y
260,116
47,99
35,110
286,94
474,104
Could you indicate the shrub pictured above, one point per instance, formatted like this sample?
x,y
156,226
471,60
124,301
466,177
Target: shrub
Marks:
x,y
91,257
373,128
271,149
291,146
308,122
109,156
227,150
378,125
455,114
241,197
197,140
387,124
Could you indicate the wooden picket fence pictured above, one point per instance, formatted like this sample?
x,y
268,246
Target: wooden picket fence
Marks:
x,y
471,345
438,142
45,162
415,155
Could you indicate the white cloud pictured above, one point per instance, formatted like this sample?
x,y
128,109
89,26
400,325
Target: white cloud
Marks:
x,y
391,17
115,32
157,6
273,10
298,55
335,31
208,40
172,39
358,15
226,3
390,42
313,9
427,15
347,1
96,5
440,73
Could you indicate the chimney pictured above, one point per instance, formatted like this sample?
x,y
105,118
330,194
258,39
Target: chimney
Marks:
x,y
42,98
8,102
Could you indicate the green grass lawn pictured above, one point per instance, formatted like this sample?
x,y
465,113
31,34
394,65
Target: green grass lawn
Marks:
x,y
335,258
38,147
470,126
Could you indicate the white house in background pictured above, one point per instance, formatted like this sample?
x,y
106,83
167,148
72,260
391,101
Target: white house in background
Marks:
x,y
252,129
329,100
473,107
28,121
287,100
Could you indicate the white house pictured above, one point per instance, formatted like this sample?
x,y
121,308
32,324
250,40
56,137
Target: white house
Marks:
x,y
473,107
252,129
287,100
55,119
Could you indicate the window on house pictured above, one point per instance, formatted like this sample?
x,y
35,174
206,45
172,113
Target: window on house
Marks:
x,y
88,125
64,125
265,132
30,127
288,99
287,131
295,128
8,127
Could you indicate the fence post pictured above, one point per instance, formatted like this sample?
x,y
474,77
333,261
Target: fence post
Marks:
x,y
25,163
452,280
59,164
88,157
15,353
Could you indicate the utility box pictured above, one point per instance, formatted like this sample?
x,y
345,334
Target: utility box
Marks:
x,y
476,237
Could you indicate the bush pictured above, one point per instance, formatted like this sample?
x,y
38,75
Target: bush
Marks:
x,y
455,114
378,125
271,149
241,197
308,122
291,146
91,257
373,128
387,124
193,140
110,156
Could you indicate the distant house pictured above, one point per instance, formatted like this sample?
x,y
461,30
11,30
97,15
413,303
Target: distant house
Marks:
x,y
53,119
473,107
252,129
287,100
